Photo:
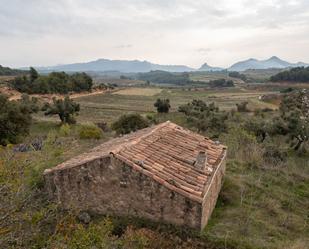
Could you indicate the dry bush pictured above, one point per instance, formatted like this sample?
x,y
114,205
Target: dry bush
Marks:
x,y
90,131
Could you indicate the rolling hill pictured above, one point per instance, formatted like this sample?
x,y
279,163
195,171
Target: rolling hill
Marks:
x,y
273,62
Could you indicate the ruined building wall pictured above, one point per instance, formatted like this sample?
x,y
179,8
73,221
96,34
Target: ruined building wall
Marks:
x,y
213,190
108,186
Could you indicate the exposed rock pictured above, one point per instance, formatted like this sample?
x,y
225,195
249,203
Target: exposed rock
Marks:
x,y
22,148
84,217
103,126
36,144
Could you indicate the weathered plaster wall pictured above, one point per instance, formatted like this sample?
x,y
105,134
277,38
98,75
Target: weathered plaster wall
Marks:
x,y
108,186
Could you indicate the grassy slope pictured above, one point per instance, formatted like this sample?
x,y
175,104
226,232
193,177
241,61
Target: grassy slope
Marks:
x,y
264,207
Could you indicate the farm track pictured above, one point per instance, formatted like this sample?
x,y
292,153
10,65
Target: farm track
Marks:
x,y
15,95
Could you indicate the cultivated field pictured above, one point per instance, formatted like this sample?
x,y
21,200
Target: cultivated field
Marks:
x,y
139,91
110,106
117,81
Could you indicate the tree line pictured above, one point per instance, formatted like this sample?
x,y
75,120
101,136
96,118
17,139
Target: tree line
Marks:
x,y
55,82
238,75
6,71
297,74
221,83
163,77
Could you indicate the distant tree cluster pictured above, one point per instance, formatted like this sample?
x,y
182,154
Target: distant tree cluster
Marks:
x,y
287,90
123,77
242,107
238,75
163,77
162,105
6,71
221,83
205,116
297,74
56,82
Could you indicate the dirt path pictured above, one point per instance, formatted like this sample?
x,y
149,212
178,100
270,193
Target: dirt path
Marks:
x,y
12,94
15,95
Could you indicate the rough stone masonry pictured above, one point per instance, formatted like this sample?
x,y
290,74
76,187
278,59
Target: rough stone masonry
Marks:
x,y
163,173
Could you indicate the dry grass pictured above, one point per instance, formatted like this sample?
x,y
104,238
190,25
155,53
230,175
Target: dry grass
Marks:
x,y
139,91
11,93
119,82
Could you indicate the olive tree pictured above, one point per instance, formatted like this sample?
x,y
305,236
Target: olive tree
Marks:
x,y
294,118
65,108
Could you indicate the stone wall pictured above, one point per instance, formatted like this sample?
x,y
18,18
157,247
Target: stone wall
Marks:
x,y
212,192
108,186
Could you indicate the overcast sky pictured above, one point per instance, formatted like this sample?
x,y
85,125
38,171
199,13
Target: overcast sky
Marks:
x,y
191,32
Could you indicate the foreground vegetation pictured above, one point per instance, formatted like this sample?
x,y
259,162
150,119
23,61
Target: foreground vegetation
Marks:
x,y
15,119
263,202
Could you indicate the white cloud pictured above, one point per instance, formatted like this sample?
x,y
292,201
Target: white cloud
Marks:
x,y
44,32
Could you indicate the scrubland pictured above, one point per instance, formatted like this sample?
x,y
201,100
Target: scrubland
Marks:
x,y
263,203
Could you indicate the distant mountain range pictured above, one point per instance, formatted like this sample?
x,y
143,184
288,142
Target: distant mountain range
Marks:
x,y
273,62
206,67
137,66
126,66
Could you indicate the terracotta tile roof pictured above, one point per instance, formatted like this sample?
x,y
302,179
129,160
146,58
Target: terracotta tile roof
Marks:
x,y
166,153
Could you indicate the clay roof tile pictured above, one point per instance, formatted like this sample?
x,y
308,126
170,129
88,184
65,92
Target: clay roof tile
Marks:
x,y
166,153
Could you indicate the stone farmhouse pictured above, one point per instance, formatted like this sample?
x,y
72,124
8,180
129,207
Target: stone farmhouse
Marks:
x,y
163,173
